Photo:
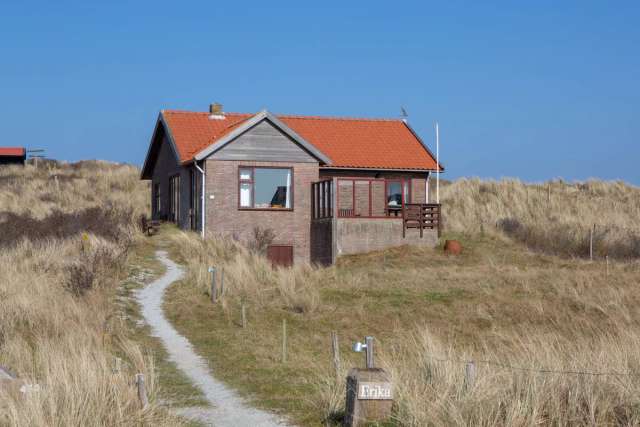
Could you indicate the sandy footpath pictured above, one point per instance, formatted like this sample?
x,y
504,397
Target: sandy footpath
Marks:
x,y
227,408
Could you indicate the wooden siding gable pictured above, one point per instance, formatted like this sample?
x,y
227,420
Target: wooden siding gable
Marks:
x,y
161,136
283,130
264,142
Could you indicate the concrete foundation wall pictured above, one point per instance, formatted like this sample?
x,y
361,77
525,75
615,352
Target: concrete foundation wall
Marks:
x,y
360,235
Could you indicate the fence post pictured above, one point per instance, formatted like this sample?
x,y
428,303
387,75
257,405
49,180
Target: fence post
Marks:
x,y
469,374
335,349
212,270
284,340
244,317
591,242
142,392
221,282
369,354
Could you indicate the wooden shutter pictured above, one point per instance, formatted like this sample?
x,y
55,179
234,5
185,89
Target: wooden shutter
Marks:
x,y
280,255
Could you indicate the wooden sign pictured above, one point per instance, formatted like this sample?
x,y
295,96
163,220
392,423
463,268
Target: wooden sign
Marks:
x,y
375,391
369,397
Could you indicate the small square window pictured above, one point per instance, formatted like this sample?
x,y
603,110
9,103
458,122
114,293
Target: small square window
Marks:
x,y
245,174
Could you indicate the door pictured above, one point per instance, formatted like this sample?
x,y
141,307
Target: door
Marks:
x,y
280,255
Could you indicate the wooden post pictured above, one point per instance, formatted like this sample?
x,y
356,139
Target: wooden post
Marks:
x,y
117,366
469,374
221,282
607,266
591,242
335,349
244,317
212,270
142,392
369,355
284,340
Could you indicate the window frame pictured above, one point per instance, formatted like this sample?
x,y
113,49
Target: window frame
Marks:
x,y
252,181
387,185
174,197
157,200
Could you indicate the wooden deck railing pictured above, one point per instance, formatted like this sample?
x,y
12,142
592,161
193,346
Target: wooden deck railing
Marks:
x,y
322,199
421,216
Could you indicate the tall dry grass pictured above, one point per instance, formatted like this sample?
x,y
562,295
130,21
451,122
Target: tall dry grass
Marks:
x,y
555,340
58,325
556,221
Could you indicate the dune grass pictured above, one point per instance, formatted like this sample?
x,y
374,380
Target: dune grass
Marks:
x,y
498,304
60,325
554,217
70,251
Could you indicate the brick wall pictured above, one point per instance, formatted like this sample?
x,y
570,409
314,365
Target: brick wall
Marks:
x,y
224,218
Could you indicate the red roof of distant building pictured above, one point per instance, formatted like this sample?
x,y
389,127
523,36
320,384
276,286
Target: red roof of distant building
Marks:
x,y
12,151
348,142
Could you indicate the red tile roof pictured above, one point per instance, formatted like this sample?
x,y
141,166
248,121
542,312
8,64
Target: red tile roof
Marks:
x,y
349,143
12,151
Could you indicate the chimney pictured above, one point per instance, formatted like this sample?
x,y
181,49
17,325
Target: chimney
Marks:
x,y
215,111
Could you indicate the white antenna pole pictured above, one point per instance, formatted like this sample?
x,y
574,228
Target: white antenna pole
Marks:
x,y
437,164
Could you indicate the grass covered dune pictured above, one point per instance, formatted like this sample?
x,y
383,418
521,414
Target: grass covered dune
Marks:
x,y
555,217
555,338
514,312
66,233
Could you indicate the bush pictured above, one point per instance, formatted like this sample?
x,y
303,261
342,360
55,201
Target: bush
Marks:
x,y
262,238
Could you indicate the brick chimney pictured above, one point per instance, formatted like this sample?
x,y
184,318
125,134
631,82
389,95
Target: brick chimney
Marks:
x,y
215,111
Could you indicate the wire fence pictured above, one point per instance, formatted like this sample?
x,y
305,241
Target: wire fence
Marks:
x,y
536,370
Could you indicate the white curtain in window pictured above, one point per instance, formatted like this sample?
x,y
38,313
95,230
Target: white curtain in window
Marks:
x,y
287,203
245,195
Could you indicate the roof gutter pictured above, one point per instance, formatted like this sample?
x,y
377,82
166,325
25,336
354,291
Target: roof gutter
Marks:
x,y
202,193
381,169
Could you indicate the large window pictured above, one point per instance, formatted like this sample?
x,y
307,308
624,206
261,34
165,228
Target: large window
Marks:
x,y
265,188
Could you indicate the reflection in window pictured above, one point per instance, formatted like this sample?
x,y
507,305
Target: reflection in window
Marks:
x,y
394,194
265,188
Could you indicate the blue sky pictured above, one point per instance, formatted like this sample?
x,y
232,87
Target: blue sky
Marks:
x,y
534,90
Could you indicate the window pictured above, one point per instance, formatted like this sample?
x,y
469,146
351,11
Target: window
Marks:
x,y
398,193
394,194
156,199
265,188
174,200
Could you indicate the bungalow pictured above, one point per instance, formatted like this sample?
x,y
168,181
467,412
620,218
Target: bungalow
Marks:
x,y
12,155
324,186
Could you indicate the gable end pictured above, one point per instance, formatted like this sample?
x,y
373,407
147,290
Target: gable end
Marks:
x,y
264,142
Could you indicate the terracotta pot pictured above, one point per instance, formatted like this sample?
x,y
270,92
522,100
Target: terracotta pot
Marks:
x,y
452,247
